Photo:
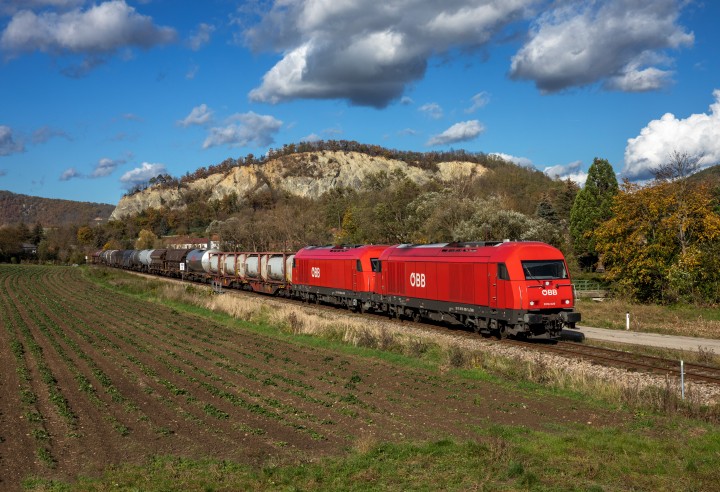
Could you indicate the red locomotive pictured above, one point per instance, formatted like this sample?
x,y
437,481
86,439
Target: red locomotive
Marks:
x,y
343,275
520,289
511,288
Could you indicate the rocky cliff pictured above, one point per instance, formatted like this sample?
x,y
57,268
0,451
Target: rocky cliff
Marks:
x,y
306,174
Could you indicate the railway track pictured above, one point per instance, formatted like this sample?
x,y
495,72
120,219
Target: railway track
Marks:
x,y
629,361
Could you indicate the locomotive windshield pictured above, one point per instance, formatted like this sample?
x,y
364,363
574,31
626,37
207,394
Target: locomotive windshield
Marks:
x,y
544,270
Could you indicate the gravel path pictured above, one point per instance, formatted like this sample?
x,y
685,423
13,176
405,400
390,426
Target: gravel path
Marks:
x,y
651,339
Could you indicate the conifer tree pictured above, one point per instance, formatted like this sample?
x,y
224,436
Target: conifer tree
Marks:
x,y
592,207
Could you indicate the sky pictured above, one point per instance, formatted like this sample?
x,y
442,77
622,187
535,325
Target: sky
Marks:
x,y
97,97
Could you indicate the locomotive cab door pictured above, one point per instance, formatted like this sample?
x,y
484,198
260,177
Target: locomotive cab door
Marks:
x,y
356,275
492,286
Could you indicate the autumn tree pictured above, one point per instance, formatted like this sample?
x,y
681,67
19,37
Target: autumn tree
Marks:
x,y
659,246
146,239
85,236
592,207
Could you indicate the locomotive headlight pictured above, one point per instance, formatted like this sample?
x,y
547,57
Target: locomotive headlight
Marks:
x,y
567,301
532,303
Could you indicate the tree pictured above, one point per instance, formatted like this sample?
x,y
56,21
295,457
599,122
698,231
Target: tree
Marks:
x,y
592,207
679,166
546,211
85,236
647,257
37,234
146,239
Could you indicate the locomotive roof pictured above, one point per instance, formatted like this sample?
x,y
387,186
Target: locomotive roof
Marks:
x,y
341,251
493,251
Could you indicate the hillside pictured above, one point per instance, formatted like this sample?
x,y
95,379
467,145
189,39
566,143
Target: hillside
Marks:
x,y
49,212
306,175
709,175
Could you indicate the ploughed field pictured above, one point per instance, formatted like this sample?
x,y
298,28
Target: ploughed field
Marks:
x,y
91,378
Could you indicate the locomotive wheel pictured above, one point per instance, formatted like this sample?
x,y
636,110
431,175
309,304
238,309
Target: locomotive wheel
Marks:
x,y
416,316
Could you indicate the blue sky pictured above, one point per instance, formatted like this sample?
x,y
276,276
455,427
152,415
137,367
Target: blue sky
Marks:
x,y
98,96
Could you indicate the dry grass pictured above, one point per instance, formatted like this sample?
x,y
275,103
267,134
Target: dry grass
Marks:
x,y
612,385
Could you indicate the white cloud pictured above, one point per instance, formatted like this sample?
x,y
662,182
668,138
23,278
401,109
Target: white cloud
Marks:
x,y
244,129
479,100
368,52
99,31
313,137
69,174
141,175
697,135
459,132
520,161
571,171
201,37
616,42
192,72
433,110
8,145
200,115
105,167
45,133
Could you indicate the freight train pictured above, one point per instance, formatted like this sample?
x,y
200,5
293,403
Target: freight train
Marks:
x,y
518,289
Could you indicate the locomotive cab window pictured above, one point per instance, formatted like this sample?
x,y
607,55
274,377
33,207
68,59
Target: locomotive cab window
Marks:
x,y
375,262
502,272
544,270
358,266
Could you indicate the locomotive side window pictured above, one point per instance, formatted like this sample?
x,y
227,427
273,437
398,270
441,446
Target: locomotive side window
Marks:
x,y
502,272
375,265
358,266
544,270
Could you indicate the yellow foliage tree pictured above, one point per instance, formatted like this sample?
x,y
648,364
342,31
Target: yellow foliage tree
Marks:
x,y
85,235
658,243
146,239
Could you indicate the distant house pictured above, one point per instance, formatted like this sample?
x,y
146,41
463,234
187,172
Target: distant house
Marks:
x,y
29,249
188,242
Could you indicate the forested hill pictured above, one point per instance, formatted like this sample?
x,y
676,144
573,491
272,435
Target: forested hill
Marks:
x,y
50,212
710,175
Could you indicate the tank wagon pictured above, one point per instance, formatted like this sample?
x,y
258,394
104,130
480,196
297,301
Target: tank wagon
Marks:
x,y
269,273
519,289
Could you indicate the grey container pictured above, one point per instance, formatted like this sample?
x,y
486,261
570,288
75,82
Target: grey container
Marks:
x,y
193,261
252,266
135,259
207,260
127,258
146,257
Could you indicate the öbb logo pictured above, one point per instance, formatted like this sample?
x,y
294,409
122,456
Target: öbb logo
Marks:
x,y
417,280
315,272
549,292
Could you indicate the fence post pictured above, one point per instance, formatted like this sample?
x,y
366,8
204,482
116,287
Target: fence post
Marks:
x,y
682,379
627,321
